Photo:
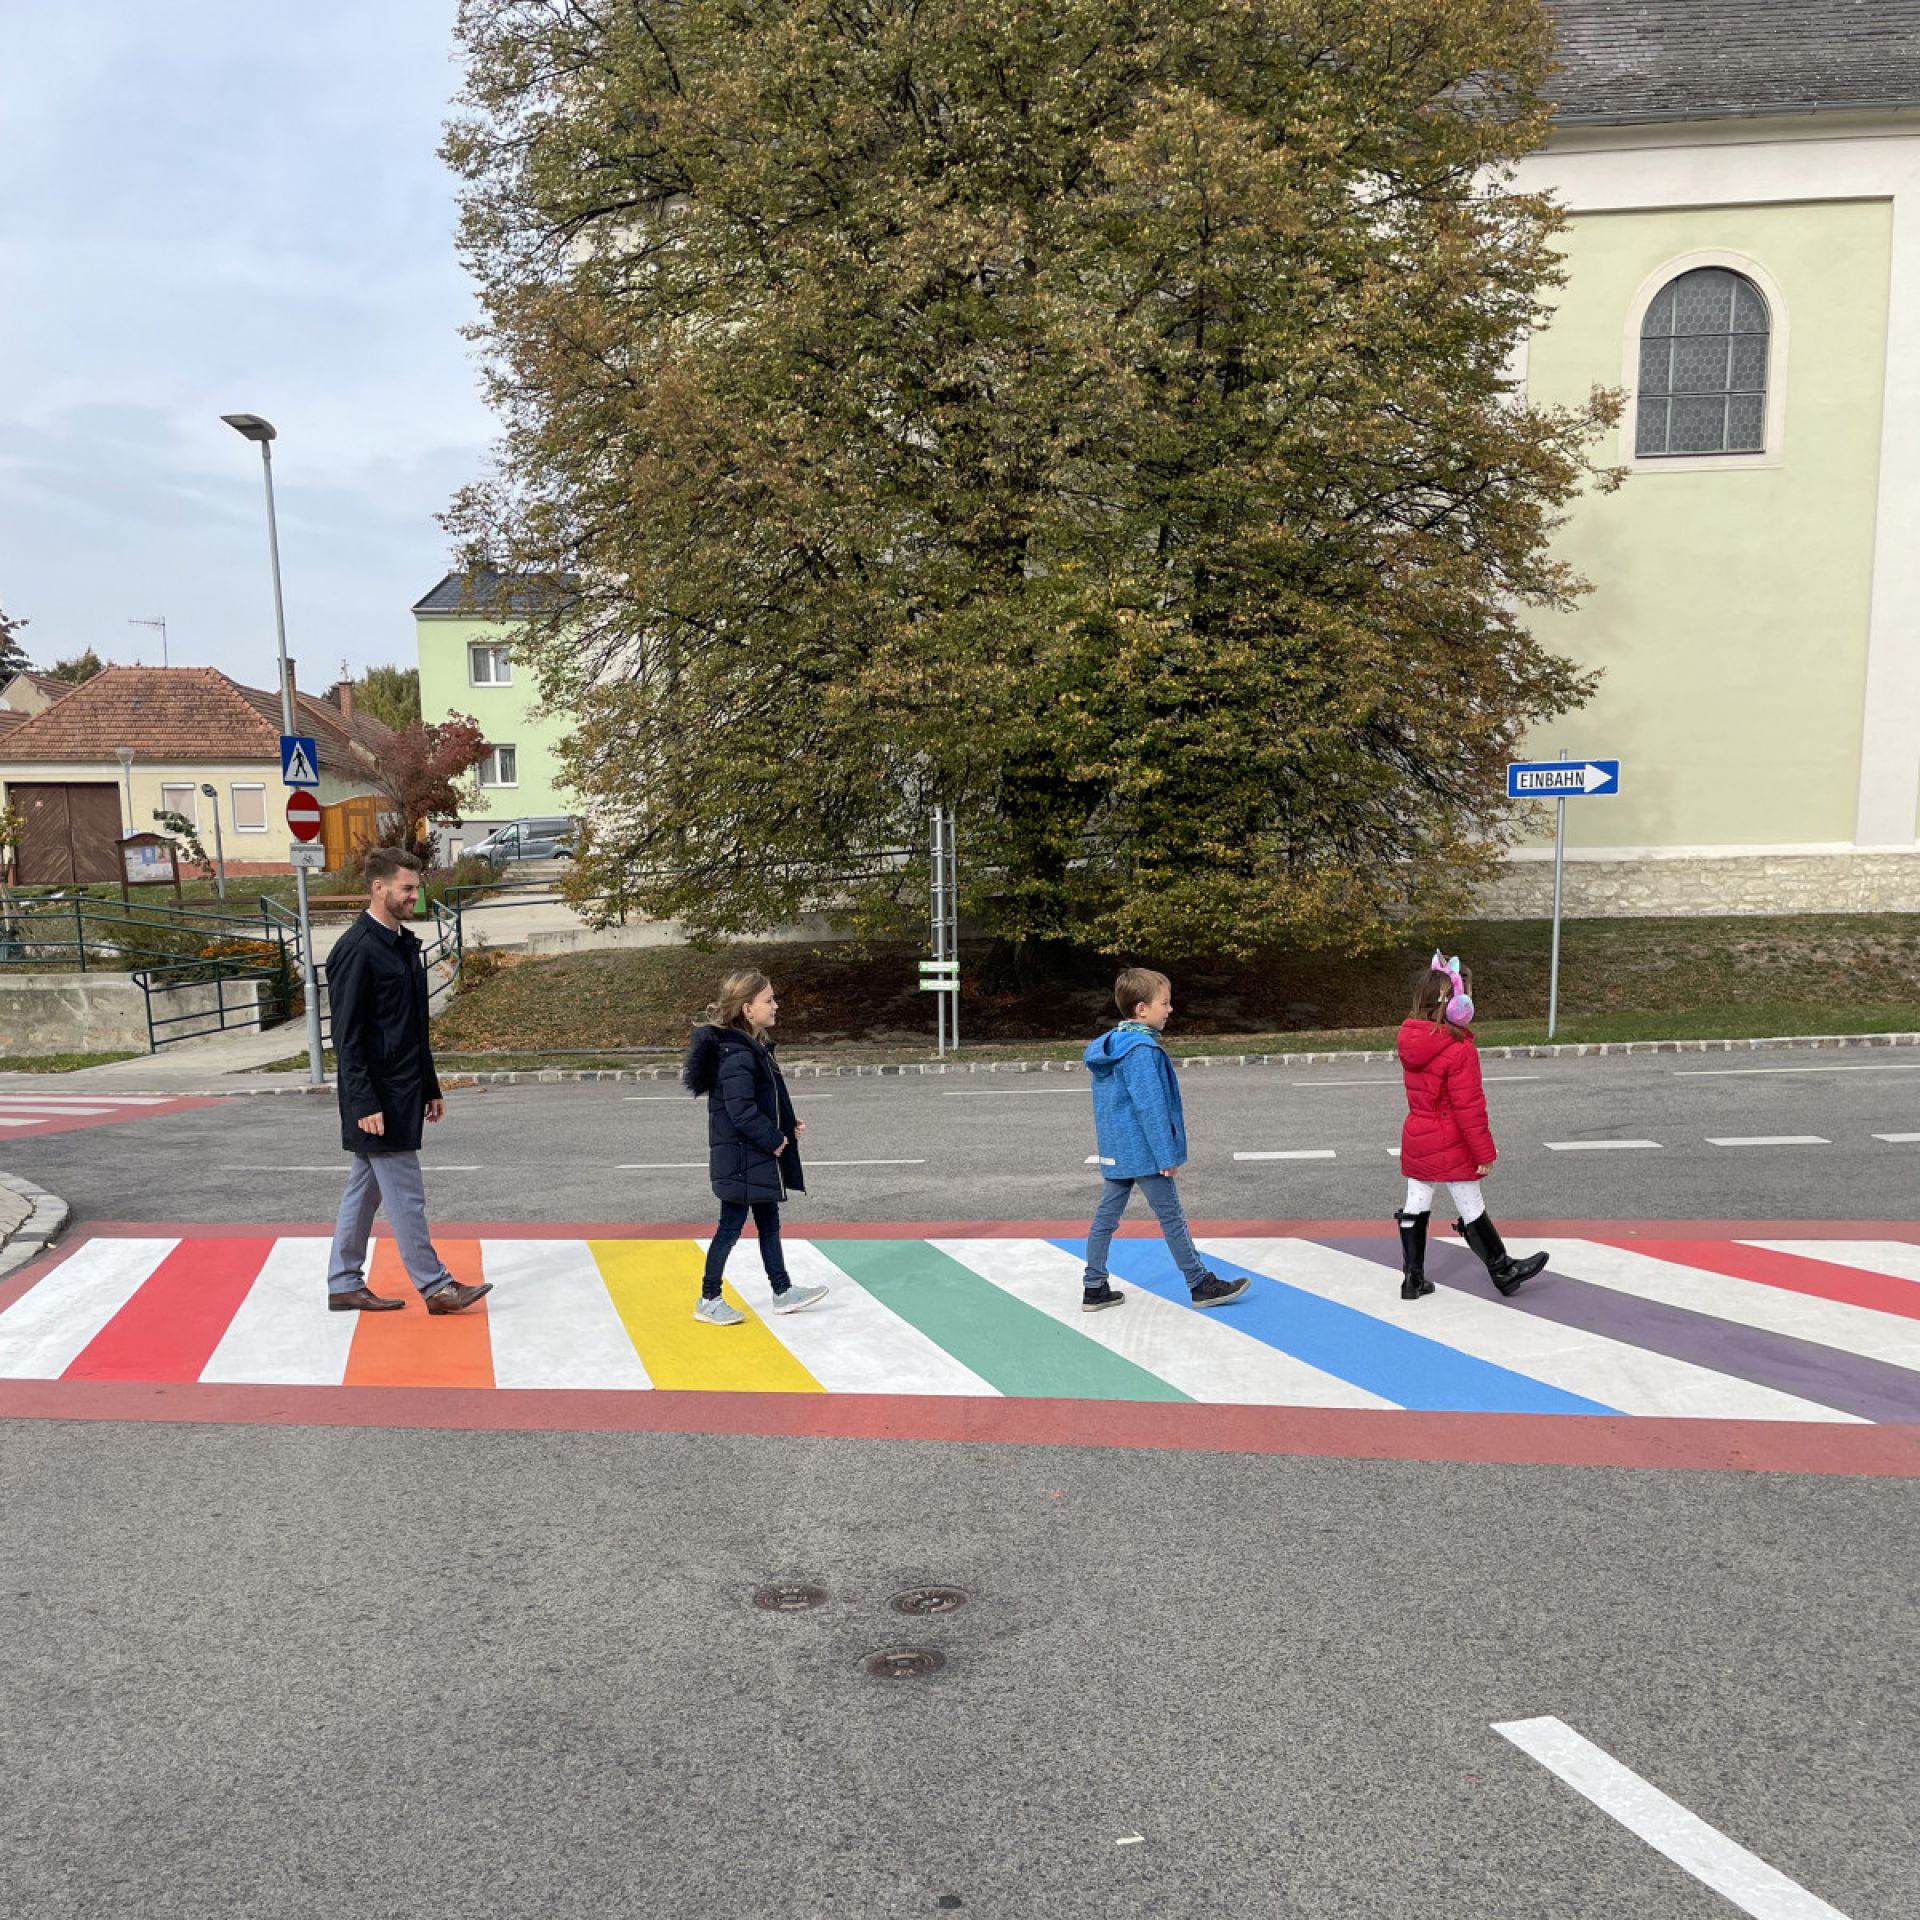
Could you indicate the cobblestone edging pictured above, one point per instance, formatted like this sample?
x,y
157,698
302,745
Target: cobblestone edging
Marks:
x,y
566,1076
44,1218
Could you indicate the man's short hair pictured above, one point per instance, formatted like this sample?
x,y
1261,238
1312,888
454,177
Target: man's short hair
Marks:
x,y
1135,988
382,863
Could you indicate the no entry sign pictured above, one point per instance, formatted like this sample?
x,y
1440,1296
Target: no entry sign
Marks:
x,y
303,815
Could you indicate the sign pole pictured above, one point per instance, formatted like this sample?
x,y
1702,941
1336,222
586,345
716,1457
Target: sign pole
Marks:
x,y
1559,868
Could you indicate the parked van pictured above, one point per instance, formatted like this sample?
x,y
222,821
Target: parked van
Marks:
x,y
539,837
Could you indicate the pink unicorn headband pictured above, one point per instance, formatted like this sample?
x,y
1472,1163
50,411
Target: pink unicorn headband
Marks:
x,y
1460,1006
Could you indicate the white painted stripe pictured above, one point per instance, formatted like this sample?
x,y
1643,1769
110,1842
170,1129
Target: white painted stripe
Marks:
x,y
551,1319
283,1334
1597,1146
866,1163
659,1166
1395,1081
850,1343
1746,1073
1664,1824
1029,1093
1101,1160
333,1166
1590,1364
686,1099
84,1102
1898,1139
46,1110
45,1330
1898,1258
1891,1337
1200,1353
1768,1140
39,1120
1302,1153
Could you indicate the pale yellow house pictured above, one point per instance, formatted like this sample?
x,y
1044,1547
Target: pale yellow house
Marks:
x,y
183,729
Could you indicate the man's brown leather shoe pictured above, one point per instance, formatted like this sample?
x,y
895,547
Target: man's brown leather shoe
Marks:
x,y
453,1296
361,1301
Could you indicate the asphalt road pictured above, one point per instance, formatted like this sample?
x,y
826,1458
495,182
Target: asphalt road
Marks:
x,y
285,1671
1016,1148
288,1672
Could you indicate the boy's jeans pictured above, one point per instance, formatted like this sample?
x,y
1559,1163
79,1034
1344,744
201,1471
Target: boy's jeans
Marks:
x,y
1164,1197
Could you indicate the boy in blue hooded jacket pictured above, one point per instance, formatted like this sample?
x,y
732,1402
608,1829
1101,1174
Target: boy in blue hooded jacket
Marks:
x,y
1142,1137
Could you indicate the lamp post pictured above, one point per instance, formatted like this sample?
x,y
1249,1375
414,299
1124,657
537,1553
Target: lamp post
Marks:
x,y
250,426
125,756
219,849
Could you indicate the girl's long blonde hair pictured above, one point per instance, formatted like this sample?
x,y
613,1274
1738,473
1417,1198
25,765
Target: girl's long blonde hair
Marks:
x,y
729,1006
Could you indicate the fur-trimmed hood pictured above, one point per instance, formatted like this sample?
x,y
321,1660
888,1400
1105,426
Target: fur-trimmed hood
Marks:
x,y
702,1067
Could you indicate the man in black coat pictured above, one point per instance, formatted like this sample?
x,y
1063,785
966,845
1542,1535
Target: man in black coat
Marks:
x,y
377,989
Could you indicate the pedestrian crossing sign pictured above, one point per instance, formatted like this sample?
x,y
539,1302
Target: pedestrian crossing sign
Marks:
x,y
299,761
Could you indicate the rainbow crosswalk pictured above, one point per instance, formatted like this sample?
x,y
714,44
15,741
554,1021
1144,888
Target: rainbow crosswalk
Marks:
x,y
1707,1329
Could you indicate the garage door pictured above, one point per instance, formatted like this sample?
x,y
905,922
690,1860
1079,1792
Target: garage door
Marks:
x,y
67,833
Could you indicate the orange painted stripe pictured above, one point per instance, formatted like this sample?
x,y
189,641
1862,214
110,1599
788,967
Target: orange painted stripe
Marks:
x,y
415,1348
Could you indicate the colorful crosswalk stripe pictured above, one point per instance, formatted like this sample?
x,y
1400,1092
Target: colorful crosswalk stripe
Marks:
x,y
43,1334
552,1321
654,1284
27,1114
169,1329
276,1338
415,1348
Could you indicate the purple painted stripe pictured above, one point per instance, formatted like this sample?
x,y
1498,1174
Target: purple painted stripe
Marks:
x,y
1872,1389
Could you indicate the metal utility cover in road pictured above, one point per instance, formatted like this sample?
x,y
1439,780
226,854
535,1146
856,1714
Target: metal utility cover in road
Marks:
x,y
303,816
1562,779
303,855
299,760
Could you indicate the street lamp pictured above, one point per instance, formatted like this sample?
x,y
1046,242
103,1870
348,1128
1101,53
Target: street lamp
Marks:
x,y
219,850
125,756
250,426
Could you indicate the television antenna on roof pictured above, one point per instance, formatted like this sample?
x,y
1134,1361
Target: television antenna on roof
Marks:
x,y
159,620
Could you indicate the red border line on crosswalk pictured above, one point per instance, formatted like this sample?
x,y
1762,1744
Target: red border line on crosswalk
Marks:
x,y
74,1122
1747,1446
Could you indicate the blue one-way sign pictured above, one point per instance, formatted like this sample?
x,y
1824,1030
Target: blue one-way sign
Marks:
x,y
1559,779
299,762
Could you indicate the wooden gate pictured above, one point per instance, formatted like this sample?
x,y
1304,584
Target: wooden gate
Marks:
x,y
348,827
67,834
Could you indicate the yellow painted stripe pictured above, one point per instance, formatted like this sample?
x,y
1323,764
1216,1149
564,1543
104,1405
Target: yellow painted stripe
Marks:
x,y
654,1284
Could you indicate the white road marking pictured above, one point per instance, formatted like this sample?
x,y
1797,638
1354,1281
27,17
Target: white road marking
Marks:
x,y
1898,1258
1898,1139
1298,1153
1001,1093
38,1120
1743,1073
85,1102
658,1166
1345,1083
51,1324
1617,1374
687,1099
283,1334
1594,1146
34,1110
1199,1353
1664,1824
866,1163
340,1167
1768,1140
552,1321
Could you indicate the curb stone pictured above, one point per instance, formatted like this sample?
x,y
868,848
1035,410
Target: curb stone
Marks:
x,y
47,1216
1205,1062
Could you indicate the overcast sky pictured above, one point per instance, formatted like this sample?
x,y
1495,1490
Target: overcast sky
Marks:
x,y
222,206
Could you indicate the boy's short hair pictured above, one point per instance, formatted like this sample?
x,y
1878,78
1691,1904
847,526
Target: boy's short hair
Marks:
x,y
382,863
1135,988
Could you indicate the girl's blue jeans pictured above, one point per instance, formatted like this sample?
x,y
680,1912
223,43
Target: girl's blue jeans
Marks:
x,y
726,1236
1164,1198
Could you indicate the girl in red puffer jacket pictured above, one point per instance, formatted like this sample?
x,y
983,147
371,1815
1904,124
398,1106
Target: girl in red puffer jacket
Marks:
x,y
1445,1139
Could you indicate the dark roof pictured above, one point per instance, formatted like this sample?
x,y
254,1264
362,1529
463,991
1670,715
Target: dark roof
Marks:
x,y
187,714
1628,60
485,592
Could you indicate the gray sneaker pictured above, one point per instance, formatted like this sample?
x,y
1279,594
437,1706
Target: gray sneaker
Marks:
x,y
716,1313
797,1297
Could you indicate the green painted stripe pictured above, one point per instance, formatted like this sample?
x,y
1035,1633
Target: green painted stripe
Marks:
x,y
1014,1347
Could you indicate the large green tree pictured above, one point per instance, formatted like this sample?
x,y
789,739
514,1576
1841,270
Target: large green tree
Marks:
x,y
390,694
13,651
1091,414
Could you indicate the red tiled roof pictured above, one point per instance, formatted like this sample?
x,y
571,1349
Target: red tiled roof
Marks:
x,y
186,713
9,720
42,682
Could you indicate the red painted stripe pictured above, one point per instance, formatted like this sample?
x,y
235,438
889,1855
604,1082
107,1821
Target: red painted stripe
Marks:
x,y
1745,1446
1791,1272
71,1123
1633,1231
170,1327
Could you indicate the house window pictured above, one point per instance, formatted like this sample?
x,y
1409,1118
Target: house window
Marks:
x,y
1703,367
501,768
249,808
489,667
183,800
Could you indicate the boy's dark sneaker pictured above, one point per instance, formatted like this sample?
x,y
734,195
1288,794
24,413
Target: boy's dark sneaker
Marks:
x,y
1215,1292
1094,1298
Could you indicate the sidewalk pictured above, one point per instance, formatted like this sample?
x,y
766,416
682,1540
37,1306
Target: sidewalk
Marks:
x,y
30,1219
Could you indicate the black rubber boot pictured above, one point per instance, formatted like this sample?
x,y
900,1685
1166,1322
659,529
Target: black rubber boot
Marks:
x,y
1414,1283
1506,1272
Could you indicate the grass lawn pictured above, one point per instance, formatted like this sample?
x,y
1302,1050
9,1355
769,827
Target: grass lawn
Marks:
x,y
1620,980
58,1062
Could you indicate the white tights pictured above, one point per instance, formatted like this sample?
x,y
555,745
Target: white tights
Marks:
x,y
1466,1197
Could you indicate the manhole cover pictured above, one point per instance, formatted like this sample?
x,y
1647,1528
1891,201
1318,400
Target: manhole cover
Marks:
x,y
904,1663
921,1601
793,1598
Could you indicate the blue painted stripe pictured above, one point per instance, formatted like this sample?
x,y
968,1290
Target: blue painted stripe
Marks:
x,y
1403,1367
